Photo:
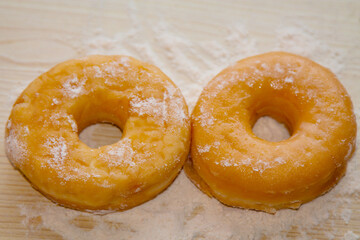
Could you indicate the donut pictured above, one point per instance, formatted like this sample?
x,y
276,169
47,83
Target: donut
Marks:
x,y
229,162
42,133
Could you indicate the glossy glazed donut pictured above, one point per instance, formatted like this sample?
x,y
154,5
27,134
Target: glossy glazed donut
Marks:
x,y
232,164
42,133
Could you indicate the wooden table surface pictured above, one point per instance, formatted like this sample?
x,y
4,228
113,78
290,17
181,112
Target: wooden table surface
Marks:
x,y
37,34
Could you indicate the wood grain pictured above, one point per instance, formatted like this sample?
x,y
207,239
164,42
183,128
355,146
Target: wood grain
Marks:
x,y
35,35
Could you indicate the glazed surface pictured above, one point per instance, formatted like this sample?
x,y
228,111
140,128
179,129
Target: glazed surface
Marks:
x,y
232,164
42,132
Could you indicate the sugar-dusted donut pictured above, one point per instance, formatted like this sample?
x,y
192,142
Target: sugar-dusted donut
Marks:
x,y
232,164
42,133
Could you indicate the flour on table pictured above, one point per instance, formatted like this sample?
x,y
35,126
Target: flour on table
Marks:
x,y
350,235
183,211
302,41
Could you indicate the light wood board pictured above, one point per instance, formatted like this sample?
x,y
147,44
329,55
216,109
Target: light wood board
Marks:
x,y
35,35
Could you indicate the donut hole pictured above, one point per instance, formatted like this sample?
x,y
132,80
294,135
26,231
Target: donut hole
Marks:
x,y
100,134
100,117
270,129
274,118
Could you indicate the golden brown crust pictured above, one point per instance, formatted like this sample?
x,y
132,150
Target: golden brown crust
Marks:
x,y
42,133
243,170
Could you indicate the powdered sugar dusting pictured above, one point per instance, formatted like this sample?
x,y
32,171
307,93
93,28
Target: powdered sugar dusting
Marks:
x,y
176,103
258,165
16,148
8,125
73,87
58,118
119,155
289,79
125,61
261,166
349,152
72,123
58,150
204,149
206,118
278,68
149,106
55,101
110,69
171,106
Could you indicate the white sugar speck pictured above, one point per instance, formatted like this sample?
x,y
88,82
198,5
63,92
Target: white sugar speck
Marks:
x,y
73,87
55,101
289,79
265,66
8,125
204,149
72,123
